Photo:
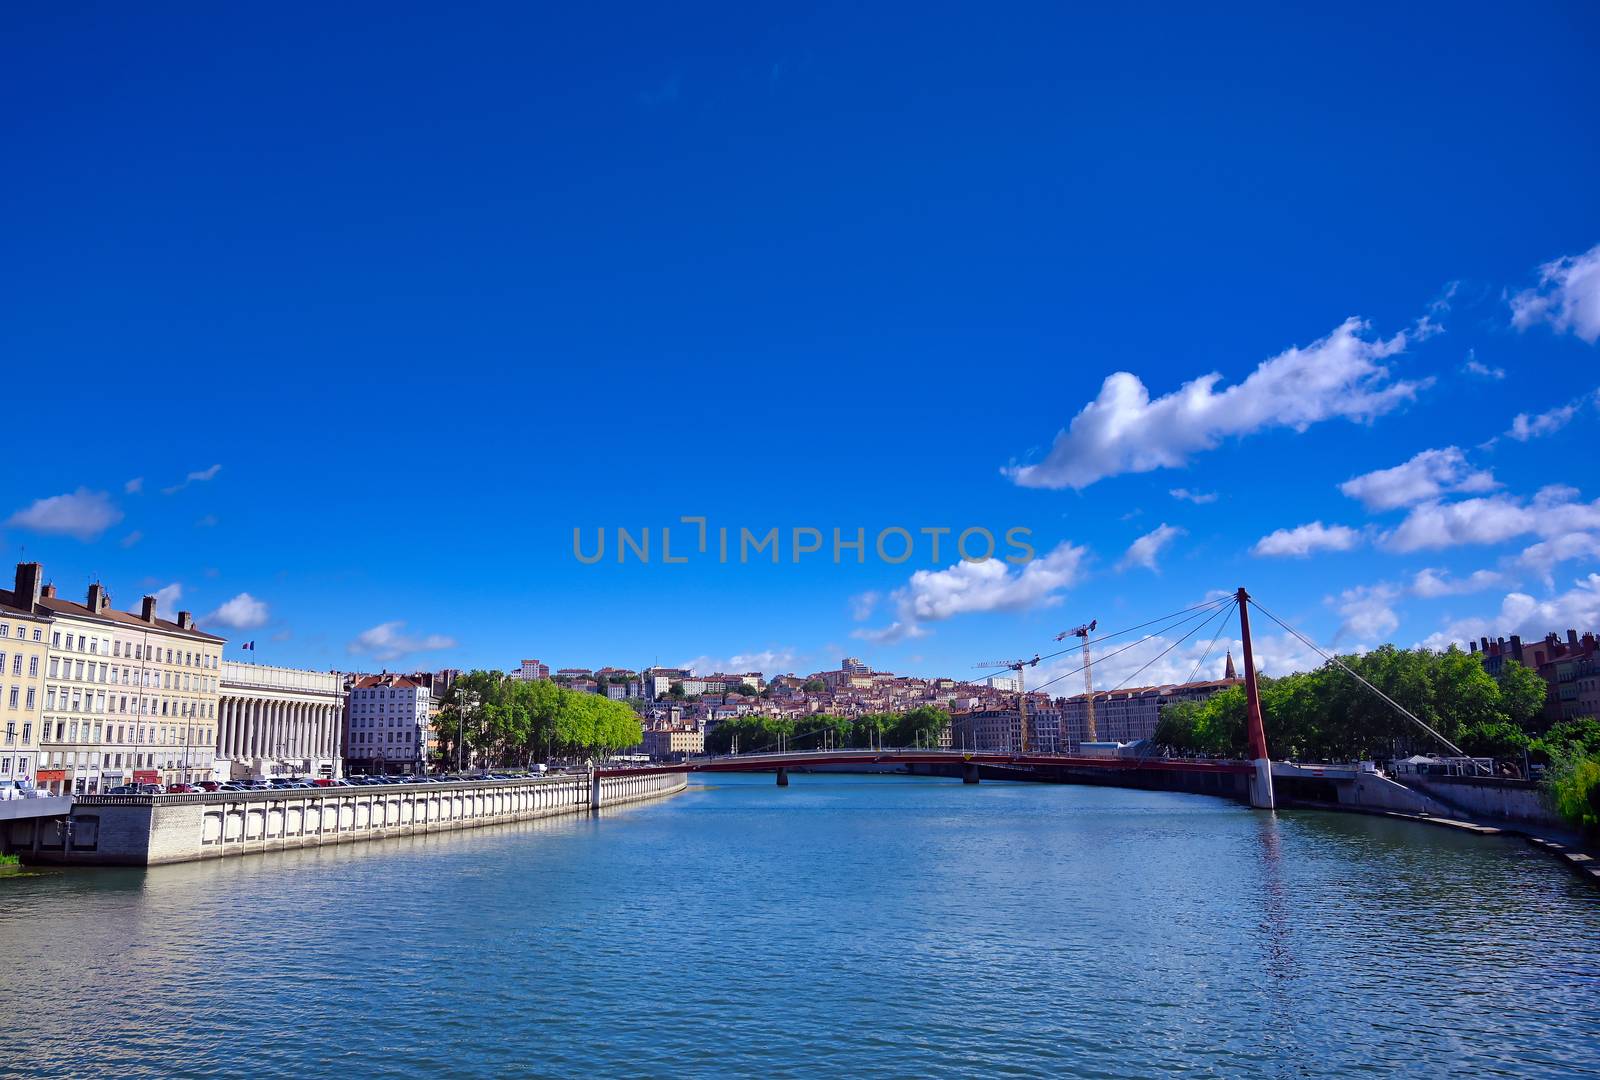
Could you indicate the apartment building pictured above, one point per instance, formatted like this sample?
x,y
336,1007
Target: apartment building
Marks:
x,y
531,671
388,727
24,645
128,698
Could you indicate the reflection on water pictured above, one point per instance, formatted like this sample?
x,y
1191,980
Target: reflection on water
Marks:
x,y
844,925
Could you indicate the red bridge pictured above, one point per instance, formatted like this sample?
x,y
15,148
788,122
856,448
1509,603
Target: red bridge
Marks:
x,y
966,760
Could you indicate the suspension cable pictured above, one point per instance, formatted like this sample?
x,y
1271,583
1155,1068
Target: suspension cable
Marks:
x,y
1407,713
1139,626
1204,612
1223,612
1220,627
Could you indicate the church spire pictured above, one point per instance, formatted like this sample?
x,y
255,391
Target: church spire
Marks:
x,y
1228,672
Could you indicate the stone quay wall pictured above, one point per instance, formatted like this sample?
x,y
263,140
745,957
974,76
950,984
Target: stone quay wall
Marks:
x,y
149,830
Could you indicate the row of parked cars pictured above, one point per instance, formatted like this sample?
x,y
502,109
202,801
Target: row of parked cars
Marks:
x,y
285,783
13,789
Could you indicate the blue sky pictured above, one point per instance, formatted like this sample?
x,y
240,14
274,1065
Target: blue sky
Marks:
x,y
358,313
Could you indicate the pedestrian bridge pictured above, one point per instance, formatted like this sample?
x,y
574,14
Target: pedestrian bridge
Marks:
x,y
799,759
971,766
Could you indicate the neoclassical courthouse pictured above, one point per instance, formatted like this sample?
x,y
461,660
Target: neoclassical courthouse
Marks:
x,y
92,697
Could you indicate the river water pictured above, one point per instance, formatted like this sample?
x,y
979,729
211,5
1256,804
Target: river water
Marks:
x,y
843,926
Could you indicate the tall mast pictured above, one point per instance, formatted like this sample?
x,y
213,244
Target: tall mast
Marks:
x,y
1261,783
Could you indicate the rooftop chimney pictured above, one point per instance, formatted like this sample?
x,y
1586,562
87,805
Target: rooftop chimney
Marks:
x,y
147,609
97,600
1516,646
186,620
48,592
1572,638
30,576
1472,647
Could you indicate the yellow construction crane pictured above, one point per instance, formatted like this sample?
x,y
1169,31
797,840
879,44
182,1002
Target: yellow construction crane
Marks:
x,y
1088,680
1022,696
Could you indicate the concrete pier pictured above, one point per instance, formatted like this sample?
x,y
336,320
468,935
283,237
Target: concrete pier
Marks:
x,y
149,830
969,773
783,777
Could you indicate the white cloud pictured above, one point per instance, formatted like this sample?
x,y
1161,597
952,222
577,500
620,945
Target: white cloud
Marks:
x,y
1367,611
1567,297
862,604
197,477
1547,554
1535,426
1431,583
1198,497
967,587
1578,608
1477,367
83,514
1124,431
243,612
768,662
1493,519
134,486
1428,475
891,634
1147,549
167,600
389,641
1143,664
131,539
1304,539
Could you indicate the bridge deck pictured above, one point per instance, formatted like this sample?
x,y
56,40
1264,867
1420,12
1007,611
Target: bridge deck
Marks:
x,y
803,759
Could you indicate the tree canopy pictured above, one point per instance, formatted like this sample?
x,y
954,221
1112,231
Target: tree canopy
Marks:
x,y
1326,715
922,725
514,722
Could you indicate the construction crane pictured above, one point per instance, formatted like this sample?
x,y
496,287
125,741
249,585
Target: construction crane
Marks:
x,y
1022,696
1088,679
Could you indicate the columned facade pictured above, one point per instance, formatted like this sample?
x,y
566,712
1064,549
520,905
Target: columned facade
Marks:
x,y
280,721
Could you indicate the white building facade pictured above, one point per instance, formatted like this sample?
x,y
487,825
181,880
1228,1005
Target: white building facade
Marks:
x,y
388,724
24,641
128,698
277,721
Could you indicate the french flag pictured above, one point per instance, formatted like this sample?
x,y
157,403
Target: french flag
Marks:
x,y
249,645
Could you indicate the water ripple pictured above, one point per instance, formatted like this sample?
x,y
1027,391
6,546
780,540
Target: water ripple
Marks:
x,y
845,925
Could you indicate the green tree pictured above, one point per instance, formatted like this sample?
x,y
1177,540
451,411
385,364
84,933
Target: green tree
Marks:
x,y
813,686
1575,738
1522,694
1492,738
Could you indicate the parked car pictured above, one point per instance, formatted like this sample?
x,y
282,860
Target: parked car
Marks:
x,y
9,790
146,789
233,785
207,785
